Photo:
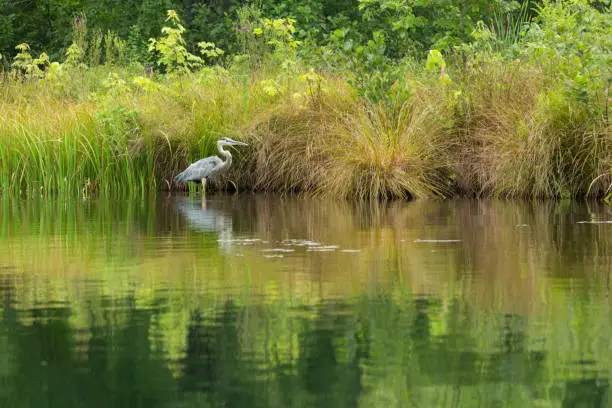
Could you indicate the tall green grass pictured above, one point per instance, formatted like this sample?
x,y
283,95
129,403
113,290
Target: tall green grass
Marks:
x,y
50,146
122,139
498,129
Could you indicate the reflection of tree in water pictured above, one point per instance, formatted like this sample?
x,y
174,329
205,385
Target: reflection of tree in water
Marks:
x,y
214,364
341,351
132,374
454,358
329,359
42,358
118,368
586,393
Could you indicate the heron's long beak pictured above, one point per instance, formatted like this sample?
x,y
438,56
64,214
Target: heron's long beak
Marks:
x,y
239,144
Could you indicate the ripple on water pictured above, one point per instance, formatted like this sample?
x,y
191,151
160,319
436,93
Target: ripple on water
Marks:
x,y
437,241
300,242
323,248
245,241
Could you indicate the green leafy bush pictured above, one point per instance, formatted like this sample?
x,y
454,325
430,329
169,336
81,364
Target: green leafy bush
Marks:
x,y
170,49
571,41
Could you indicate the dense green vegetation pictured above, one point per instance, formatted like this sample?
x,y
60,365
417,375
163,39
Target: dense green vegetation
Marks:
x,y
363,99
408,26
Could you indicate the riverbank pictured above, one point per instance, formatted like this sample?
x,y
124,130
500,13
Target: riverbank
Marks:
x,y
517,108
498,129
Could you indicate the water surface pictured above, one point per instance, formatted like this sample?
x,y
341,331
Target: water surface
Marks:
x,y
255,301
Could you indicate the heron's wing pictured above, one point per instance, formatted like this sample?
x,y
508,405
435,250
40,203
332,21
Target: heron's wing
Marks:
x,y
201,169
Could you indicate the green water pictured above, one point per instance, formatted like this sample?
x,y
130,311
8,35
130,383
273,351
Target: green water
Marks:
x,y
254,301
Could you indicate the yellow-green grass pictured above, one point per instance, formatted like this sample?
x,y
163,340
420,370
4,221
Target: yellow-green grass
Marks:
x,y
499,129
124,138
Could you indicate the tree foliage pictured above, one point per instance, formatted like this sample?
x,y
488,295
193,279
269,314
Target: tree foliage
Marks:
x,y
409,26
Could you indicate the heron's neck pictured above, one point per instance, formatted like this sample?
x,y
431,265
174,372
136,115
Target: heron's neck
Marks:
x,y
226,154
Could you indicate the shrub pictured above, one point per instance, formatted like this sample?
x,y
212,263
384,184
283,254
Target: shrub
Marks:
x,y
573,45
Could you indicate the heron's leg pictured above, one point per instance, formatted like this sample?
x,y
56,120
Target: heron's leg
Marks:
x,y
235,186
203,187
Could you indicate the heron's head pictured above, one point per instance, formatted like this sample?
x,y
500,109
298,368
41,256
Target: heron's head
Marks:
x,y
226,141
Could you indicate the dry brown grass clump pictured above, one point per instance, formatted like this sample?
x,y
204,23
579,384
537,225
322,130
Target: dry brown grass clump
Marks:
x,y
337,145
521,138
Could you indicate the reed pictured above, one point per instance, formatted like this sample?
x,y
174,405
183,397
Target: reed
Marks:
x,y
509,133
50,146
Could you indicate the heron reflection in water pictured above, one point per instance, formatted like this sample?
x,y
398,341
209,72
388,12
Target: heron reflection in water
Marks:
x,y
201,218
209,167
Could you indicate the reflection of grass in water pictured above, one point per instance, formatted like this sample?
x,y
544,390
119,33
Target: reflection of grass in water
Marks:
x,y
91,257
141,243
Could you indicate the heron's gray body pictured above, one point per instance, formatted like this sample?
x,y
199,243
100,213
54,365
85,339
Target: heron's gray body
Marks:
x,y
202,169
209,167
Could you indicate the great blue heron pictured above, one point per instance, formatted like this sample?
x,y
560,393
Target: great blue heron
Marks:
x,y
209,167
